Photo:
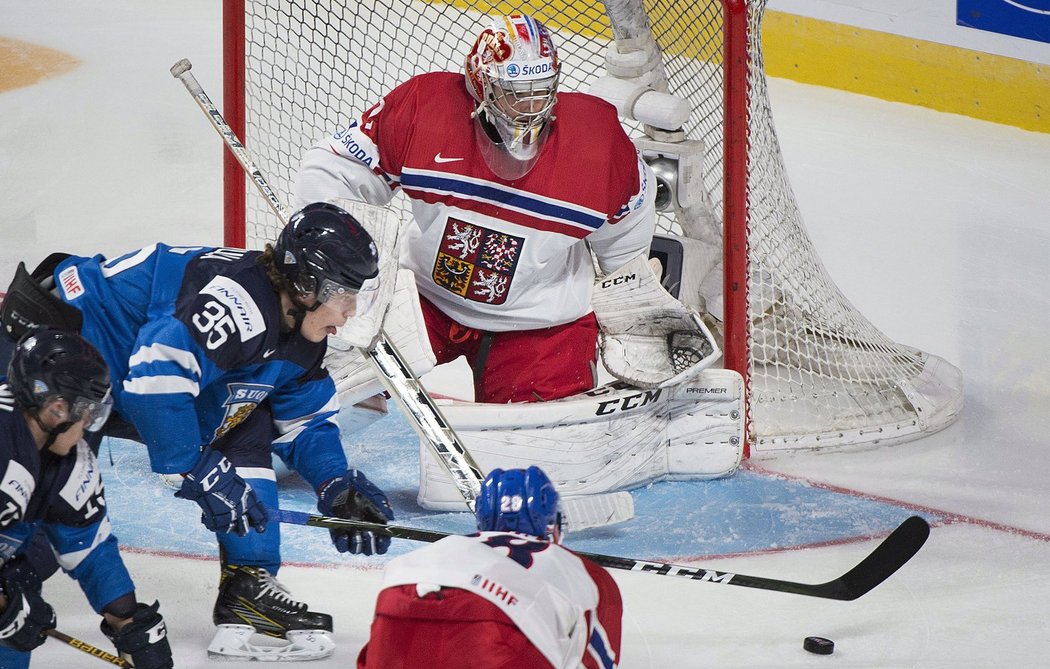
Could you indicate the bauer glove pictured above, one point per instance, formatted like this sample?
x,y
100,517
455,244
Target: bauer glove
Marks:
x,y
354,497
144,640
228,503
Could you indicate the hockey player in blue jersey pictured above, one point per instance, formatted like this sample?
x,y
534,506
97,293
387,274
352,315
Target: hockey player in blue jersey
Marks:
x,y
215,356
52,503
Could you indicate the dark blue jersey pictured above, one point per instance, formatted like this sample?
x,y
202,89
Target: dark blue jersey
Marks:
x,y
63,496
193,339
19,462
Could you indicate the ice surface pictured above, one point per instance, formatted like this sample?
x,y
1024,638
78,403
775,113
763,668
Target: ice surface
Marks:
x,y
935,226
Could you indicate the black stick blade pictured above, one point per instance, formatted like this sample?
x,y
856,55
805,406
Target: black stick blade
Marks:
x,y
894,551
889,556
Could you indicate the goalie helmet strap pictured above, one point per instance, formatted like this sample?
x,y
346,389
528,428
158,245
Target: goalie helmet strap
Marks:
x,y
481,358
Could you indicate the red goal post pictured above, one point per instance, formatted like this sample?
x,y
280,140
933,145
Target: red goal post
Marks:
x,y
817,373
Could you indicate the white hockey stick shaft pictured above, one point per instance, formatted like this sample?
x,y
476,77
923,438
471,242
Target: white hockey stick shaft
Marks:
x,y
393,371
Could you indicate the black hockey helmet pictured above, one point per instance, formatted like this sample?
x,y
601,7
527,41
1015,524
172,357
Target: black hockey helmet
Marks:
x,y
50,363
323,251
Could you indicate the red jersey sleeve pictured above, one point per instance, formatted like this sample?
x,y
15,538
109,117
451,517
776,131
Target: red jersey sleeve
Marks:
x,y
603,646
391,123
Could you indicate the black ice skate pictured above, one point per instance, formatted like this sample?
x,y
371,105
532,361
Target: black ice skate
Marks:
x,y
258,620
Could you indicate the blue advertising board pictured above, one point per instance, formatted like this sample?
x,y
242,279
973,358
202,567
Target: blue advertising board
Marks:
x,y
1029,19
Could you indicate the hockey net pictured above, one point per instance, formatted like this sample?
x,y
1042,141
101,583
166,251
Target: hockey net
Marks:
x,y
817,373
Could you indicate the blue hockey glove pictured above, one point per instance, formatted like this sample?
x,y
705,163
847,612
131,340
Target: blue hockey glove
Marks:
x,y
227,502
354,497
144,640
25,618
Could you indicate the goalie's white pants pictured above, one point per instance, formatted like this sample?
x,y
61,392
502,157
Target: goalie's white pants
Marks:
x,y
615,437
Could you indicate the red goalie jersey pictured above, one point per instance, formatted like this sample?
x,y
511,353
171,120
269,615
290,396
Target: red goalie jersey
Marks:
x,y
492,600
492,253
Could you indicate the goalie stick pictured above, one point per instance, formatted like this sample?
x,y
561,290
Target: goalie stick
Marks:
x,y
889,556
393,371
87,648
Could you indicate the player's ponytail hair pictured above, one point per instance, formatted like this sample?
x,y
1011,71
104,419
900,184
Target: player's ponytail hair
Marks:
x,y
278,279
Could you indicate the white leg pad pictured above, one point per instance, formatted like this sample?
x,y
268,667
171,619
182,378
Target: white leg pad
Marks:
x,y
705,431
240,642
615,437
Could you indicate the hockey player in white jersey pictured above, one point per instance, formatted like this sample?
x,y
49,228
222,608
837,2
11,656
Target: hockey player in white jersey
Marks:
x,y
508,596
513,185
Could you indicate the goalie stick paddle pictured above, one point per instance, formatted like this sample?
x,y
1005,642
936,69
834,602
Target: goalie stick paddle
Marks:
x,y
889,556
87,648
397,377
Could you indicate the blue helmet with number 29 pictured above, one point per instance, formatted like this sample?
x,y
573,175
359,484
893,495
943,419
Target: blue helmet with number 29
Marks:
x,y
519,500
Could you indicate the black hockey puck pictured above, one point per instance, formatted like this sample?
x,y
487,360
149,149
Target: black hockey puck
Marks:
x,y
819,645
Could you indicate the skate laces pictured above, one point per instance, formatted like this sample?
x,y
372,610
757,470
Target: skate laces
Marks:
x,y
275,590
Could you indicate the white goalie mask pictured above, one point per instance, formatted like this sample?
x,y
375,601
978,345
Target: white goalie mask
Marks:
x,y
512,72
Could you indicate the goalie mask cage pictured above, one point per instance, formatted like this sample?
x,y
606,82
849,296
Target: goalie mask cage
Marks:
x,y
817,373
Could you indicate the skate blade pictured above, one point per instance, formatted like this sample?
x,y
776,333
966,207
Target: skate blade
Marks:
x,y
241,643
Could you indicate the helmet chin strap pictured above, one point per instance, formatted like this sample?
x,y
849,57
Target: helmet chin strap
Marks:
x,y
298,313
55,432
481,113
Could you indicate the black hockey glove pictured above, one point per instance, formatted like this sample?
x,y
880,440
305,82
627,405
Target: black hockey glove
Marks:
x,y
227,502
354,497
143,642
26,617
22,571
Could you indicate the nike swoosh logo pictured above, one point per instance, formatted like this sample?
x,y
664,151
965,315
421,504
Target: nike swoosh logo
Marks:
x,y
441,159
270,352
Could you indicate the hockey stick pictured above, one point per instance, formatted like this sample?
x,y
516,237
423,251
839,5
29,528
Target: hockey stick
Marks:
x,y
395,374
87,648
889,556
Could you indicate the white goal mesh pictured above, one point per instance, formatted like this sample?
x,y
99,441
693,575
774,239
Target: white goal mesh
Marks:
x,y
818,373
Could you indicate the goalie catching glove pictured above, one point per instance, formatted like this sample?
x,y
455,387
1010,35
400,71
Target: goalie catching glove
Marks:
x,y
648,338
354,497
142,642
228,503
